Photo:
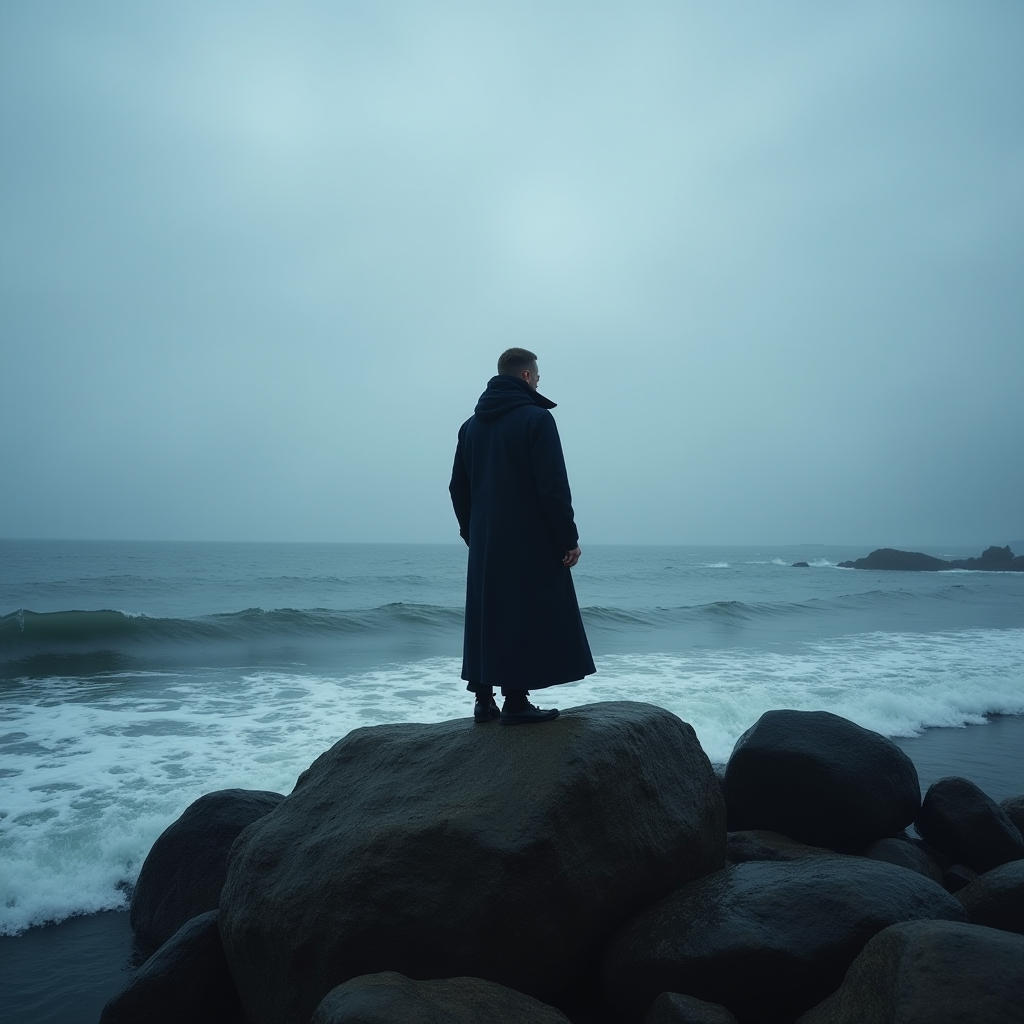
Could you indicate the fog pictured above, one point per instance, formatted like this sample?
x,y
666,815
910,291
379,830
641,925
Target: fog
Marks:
x,y
259,260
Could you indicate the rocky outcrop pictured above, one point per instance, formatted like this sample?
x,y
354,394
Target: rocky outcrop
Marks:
x,y
992,559
185,870
766,940
187,979
675,1008
450,850
820,779
892,559
968,826
930,972
390,998
996,898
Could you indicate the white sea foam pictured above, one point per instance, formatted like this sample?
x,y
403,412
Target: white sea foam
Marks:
x,y
96,769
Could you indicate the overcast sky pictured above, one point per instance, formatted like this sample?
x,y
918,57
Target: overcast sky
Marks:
x,y
258,261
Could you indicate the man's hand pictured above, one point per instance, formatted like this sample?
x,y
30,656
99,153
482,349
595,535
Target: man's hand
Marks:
x,y
571,557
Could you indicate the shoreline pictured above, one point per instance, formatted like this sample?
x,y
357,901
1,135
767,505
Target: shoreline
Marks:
x,y
64,973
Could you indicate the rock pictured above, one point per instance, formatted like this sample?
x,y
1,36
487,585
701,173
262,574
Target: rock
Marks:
x,y
956,876
185,870
674,1008
906,855
450,850
929,851
996,898
968,826
801,565
892,559
766,940
993,559
930,972
820,779
186,979
755,844
389,998
1013,808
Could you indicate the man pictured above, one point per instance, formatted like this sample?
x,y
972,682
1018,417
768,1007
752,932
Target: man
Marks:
x,y
511,496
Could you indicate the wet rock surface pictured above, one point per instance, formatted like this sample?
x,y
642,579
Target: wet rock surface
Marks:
x,y
906,855
390,998
968,826
996,898
453,850
820,779
187,979
930,972
185,870
757,844
674,1008
766,940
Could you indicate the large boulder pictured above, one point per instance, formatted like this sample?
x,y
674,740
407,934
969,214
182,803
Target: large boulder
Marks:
x,y
767,940
451,849
184,872
820,779
930,972
186,979
968,826
996,898
389,998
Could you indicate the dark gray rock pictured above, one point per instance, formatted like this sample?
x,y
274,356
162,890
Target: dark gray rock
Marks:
x,y
1013,808
391,998
931,972
968,826
185,870
801,565
996,898
186,979
993,559
766,940
906,855
758,844
821,780
892,559
956,876
452,850
675,1008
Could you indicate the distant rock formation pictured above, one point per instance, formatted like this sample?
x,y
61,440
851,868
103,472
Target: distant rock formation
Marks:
x,y
992,559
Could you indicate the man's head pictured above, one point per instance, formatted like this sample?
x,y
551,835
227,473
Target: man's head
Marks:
x,y
521,363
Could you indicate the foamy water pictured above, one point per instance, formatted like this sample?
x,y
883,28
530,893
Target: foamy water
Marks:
x,y
95,768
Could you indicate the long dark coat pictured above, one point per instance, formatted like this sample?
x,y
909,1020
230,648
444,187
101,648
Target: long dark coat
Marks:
x,y
511,496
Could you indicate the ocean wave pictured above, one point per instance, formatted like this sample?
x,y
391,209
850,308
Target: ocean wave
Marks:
x,y
94,774
82,642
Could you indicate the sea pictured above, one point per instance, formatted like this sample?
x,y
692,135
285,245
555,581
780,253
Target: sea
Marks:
x,y
134,677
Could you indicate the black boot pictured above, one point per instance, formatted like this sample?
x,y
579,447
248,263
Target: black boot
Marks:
x,y
485,709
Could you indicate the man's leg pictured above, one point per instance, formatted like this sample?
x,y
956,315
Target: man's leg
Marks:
x,y
517,710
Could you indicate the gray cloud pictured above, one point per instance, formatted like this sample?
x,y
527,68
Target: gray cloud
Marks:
x,y
258,262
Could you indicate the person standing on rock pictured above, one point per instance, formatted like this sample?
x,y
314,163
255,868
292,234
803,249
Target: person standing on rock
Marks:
x,y
511,497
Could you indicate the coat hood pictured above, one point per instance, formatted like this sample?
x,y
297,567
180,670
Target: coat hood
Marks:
x,y
505,393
